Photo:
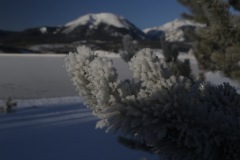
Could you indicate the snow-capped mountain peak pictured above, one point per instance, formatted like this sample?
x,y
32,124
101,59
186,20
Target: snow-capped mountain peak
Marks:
x,y
173,25
43,30
173,30
94,20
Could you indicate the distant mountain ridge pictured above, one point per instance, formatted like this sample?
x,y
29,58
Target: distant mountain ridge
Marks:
x,y
105,28
101,30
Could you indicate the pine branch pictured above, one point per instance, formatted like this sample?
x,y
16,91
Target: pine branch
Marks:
x,y
179,119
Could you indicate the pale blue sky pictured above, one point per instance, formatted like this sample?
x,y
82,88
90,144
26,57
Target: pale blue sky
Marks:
x,y
22,14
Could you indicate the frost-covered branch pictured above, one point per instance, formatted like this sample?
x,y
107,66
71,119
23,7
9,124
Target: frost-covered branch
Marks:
x,y
176,118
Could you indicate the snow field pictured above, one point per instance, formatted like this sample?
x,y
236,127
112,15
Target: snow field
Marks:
x,y
51,121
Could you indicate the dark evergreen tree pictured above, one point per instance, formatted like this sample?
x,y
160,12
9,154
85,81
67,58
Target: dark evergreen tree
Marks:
x,y
170,52
196,11
217,45
235,4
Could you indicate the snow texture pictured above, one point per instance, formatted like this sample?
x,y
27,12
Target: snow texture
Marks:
x,y
57,128
48,111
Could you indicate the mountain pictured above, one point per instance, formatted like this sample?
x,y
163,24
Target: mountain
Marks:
x,y
174,30
99,31
102,30
102,26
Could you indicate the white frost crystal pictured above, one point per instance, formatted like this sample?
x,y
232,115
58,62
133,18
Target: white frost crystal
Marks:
x,y
173,116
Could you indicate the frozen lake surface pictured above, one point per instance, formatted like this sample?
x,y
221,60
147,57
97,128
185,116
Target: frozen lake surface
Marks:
x,y
39,76
34,76
44,76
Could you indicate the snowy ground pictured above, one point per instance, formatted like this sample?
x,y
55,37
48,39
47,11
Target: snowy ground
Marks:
x,y
58,129
50,121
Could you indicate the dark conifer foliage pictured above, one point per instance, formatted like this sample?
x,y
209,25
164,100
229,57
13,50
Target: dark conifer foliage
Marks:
x,y
217,45
235,4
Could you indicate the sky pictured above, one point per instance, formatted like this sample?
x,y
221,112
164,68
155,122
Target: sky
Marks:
x,y
21,14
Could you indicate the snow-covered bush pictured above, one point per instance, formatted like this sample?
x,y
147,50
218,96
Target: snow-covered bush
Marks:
x,y
172,116
8,106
